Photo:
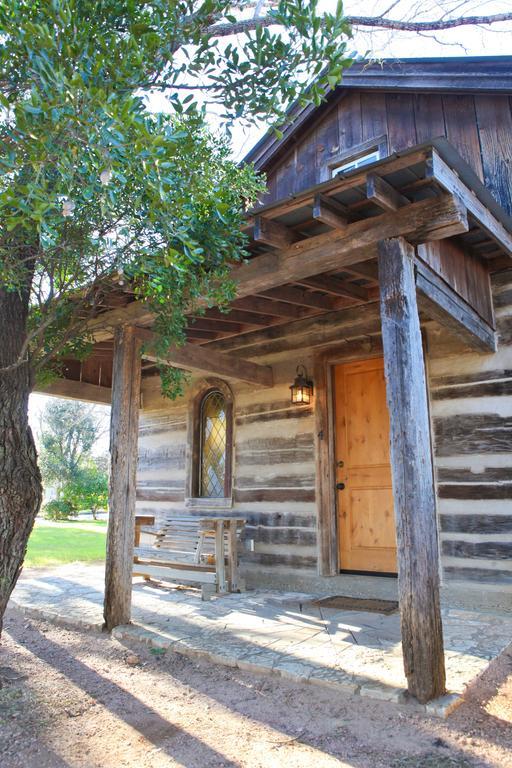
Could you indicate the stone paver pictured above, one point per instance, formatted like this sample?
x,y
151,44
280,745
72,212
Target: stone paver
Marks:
x,y
272,632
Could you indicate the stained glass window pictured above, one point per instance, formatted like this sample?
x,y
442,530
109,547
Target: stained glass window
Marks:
x,y
213,445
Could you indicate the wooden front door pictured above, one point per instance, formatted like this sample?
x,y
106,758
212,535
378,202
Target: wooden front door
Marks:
x,y
366,525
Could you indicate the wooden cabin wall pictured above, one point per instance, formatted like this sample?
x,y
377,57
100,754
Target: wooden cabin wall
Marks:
x,y
273,470
471,404
479,127
274,459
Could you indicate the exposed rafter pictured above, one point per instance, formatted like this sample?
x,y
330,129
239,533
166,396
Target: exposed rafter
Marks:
x,y
431,219
273,233
379,191
330,212
335,287
300,297
194,358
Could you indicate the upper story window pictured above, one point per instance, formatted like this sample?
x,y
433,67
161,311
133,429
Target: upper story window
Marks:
x,y
355,157
356,162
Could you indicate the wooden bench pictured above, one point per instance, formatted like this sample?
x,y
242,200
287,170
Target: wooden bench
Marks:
x,y
190,549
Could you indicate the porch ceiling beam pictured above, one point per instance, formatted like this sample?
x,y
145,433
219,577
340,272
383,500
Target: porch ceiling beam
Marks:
x,y
103,326
381,193
260,304
442,303
440,172
366,269
335,287
76,390
212,324
237,316
331,212
273,233
432,219
194,358
300,297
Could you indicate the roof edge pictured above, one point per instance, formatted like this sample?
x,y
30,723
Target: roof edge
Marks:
x,y
467,74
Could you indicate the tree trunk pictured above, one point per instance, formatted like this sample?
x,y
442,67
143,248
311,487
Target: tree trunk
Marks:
x,y
20,480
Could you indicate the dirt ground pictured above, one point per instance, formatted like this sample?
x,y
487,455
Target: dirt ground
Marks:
x,y
71,699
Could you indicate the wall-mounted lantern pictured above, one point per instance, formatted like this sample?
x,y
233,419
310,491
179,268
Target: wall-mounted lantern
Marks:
x,y
302,388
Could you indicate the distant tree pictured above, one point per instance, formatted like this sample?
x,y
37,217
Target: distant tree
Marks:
x,y
69,430
89,487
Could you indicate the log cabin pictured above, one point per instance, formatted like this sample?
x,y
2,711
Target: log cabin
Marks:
x,y
355,403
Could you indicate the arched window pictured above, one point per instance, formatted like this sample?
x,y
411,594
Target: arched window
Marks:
x,y
213,446
210,443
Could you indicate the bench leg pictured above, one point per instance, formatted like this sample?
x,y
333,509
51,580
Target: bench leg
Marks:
x,y
220,566
207,591
232,557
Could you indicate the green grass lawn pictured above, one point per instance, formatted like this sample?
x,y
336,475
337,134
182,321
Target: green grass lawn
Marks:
x,y
57,543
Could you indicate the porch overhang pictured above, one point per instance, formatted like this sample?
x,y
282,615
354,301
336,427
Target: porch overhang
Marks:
x,y
315,254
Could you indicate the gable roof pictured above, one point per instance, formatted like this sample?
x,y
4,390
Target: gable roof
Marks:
x,y
468,74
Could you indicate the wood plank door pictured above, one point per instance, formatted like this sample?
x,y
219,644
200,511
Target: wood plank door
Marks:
x,y
366,524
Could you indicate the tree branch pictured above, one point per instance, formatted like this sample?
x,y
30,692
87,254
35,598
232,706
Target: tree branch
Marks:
x,y
377,22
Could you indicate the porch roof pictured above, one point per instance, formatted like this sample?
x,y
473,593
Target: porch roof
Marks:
x,y
315,252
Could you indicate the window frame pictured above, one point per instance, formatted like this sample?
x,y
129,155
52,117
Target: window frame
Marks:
x,y
201,451
194,438
378,144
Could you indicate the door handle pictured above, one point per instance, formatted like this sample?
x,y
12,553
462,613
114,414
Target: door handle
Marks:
x,y
340,486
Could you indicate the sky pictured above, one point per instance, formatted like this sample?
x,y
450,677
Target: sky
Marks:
x,y
464,41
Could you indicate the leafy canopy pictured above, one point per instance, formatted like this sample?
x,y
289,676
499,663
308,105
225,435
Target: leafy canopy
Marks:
x,y
97,190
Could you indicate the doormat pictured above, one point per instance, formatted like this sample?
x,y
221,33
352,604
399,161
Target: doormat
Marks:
x,y
343,603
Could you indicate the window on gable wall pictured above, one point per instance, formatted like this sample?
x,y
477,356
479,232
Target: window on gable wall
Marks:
x,y
356,162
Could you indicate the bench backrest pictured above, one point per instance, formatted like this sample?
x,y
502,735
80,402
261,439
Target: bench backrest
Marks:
x,y
181,538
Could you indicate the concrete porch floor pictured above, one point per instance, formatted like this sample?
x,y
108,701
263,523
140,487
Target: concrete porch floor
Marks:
x,y
355,652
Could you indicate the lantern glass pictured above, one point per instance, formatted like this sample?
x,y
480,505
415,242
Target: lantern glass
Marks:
x,y
302,388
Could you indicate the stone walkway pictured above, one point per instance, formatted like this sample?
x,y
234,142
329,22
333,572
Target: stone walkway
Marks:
x,y
271,632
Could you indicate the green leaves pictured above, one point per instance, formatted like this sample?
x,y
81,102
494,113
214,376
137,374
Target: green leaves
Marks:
x,y
77,81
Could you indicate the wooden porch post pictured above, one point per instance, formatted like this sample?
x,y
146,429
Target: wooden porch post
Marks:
x,y
413,483
124,422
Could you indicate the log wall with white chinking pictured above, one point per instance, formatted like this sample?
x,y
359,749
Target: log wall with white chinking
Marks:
x,y
471,409
274,454
273,471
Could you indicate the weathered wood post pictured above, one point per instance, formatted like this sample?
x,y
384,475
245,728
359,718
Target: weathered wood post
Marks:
x,y
413,483
124,423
